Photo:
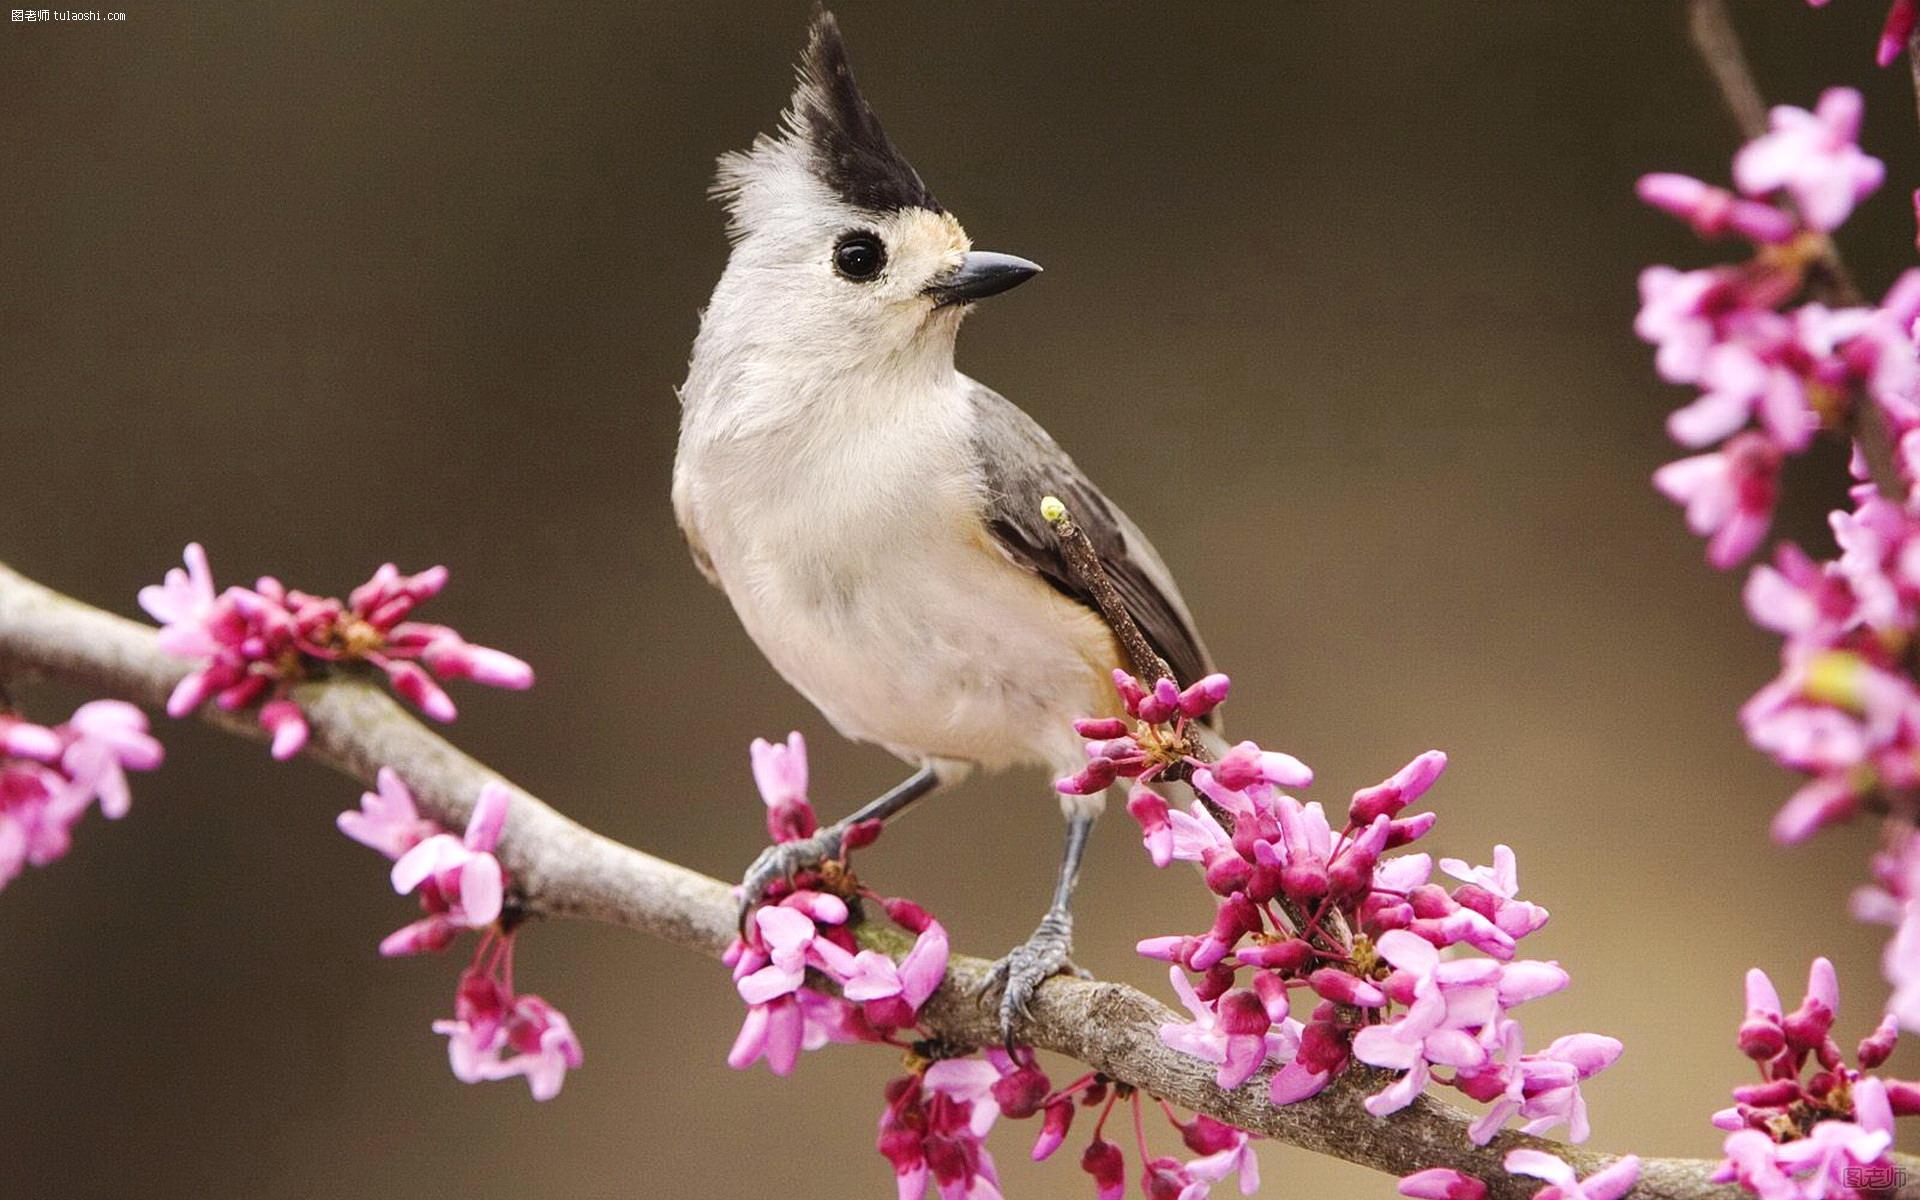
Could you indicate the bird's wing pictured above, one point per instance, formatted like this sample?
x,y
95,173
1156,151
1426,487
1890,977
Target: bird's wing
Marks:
x,y
1022,465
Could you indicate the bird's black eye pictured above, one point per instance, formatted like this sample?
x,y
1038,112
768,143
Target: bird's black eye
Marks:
x,y
859,257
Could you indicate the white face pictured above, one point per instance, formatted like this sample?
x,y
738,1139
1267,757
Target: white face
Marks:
x,y
810,270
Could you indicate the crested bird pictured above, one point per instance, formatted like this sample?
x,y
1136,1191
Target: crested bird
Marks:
x,y
873,514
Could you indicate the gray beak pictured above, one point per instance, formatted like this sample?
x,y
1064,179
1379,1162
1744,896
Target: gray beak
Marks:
x,y
980,274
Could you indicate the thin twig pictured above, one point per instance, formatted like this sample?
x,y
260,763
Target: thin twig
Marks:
x,y
1084,561
1718,44
566,870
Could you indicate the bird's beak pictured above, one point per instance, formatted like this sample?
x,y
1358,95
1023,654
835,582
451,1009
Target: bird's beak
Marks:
x,y
980,274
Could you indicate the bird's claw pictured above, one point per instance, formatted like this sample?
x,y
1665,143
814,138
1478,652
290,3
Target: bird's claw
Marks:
x,y
784,860
1018,976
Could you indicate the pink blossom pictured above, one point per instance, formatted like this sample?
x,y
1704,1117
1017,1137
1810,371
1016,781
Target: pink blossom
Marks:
x,y
1234,1161
780,772
49,778
1712,211
873,979
1442,1183
495,1034
934,1130
254,643
1813,157
461,883
387,820
1729,495
105,739
1608,1183
1239,1039
1738,382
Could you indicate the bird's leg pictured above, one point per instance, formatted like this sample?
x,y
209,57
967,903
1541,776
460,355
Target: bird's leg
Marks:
x,y
1045,954
785,859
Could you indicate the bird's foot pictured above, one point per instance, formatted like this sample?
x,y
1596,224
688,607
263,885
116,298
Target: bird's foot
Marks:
x,y
783,861
1019,975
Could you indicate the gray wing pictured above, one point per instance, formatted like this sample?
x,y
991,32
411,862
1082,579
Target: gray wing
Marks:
x,y
1022,466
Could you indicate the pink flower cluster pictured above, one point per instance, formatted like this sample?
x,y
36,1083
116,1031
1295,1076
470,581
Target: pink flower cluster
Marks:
x,y
1893,898
495,1032
933,1129
1307,909
1894,32
255,643
809,926
1844,708
1220,1151
1813,1128
1770,376
49,778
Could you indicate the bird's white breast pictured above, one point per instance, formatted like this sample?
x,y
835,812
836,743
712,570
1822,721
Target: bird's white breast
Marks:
x,y
846,532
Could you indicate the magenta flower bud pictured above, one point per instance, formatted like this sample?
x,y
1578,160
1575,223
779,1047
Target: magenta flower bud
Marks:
x,y
418,688
1903,1097
1807,1026
1239,768
1235,919
1431,902
239,695
1777,1093
1203,1135
861,835
888,1012
1131,693
1289,955
1214,982
1021,1093
426,936
1380,913
1103,1160
1156,709
907,915
1226,873
1240,1012
451,658
1714,212
1096,776
1477,898
1408,830
1381,800
287,725
1205,696
1391,795
1761,1040
1877,1046
1053,1128
1336,985
1173,948
1304,882
1100,728
1323,1047
1265,880
1149,808
1272,990
1895,32
1442,1183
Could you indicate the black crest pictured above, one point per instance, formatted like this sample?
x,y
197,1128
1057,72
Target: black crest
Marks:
x,y
851,150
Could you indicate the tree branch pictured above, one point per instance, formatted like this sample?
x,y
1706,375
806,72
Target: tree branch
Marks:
x,y
565,869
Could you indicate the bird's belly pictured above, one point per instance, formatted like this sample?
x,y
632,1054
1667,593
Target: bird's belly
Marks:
x,y
946,652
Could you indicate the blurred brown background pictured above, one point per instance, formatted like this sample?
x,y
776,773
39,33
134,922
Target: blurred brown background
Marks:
x,y
322,285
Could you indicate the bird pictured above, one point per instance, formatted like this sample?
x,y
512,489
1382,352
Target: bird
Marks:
x,y
873,514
